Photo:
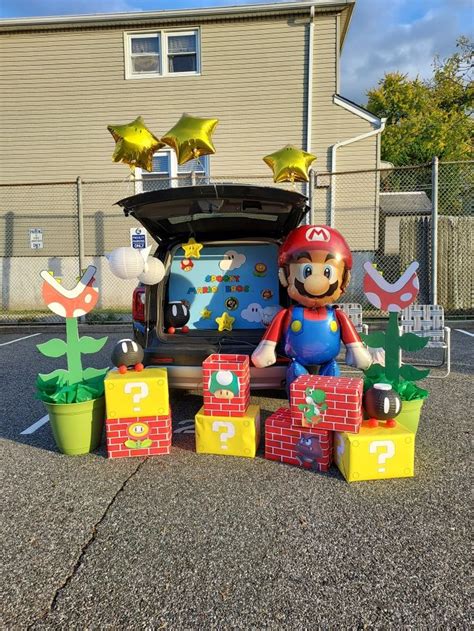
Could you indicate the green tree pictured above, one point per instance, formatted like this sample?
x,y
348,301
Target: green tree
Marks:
x,y
428,117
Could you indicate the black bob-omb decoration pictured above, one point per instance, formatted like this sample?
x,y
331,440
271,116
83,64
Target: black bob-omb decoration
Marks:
x,y
177,316
127,354
382,403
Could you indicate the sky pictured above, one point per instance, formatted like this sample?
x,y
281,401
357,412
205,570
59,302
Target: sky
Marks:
x,y
384,36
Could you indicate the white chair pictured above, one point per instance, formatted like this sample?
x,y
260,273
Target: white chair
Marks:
x,y
354,311
428,321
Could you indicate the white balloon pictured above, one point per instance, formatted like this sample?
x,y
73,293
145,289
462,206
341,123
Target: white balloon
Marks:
x,y
154,272
126,262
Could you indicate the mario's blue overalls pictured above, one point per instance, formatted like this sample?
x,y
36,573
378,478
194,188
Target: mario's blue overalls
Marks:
x,y
312,341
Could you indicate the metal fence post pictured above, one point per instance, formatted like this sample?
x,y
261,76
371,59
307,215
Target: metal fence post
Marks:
x,y
311,186
80,224
434,230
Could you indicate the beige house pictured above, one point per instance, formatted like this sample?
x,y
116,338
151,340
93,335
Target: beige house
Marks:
x,y
268,72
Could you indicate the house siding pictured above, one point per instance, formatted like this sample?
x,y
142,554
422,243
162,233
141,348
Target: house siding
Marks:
x,y
61,88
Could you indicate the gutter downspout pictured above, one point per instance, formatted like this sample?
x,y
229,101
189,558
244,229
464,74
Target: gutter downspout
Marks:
x,y
334,148
309,107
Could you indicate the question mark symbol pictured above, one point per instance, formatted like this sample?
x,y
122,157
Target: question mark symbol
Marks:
x,y
224,436
382,457
143,387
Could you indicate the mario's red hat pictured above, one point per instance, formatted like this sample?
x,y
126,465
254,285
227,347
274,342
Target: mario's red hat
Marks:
x,y
309,238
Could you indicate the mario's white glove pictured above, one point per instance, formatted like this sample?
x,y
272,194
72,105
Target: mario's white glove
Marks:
x,y
358,356
264,355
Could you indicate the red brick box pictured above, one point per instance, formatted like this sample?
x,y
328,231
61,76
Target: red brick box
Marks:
x,y
226,385
333,403
306,447
138,436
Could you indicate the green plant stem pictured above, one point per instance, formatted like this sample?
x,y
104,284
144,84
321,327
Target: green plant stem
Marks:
x,y
73,353
392,349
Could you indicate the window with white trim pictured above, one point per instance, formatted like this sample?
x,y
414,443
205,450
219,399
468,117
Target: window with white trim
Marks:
x,y
162,53
168,173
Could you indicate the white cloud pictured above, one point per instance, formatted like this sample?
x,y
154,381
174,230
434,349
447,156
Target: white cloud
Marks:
x,y
400,35
232,260
253,313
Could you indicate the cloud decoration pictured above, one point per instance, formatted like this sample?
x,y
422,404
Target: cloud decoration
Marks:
x,y
232,260
253,313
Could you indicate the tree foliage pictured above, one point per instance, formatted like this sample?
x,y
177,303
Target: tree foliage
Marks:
x,y
428,117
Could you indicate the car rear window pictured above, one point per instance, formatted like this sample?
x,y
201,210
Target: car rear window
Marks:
x,y
240,280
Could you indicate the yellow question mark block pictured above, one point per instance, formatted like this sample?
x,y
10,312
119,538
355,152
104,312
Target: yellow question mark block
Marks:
x,y
137,394
375,453
228,435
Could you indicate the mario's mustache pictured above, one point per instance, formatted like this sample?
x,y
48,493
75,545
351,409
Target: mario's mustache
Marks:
x,y
302,291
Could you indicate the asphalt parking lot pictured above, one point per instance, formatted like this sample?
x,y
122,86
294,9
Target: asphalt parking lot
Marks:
x,y
190,541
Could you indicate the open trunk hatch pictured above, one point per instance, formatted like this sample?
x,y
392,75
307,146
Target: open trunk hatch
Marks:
x,y
212,212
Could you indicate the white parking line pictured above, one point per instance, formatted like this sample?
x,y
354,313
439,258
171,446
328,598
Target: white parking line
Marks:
x,y
19,339
32,428
465,332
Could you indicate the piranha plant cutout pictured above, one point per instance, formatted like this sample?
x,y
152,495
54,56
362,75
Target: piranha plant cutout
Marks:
x,y
401,377
393,298
73,384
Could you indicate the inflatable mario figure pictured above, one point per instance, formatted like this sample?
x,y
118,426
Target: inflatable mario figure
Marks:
x,y
315,265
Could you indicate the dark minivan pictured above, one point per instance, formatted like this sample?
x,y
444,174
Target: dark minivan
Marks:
x,y
230,283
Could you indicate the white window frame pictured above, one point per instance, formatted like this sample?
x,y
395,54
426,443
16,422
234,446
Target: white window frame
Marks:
x,y
162,35
173,175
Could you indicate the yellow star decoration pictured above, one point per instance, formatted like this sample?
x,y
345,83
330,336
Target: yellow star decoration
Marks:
x,y
290,164
135,144
206,314
225,322
192,249
191,137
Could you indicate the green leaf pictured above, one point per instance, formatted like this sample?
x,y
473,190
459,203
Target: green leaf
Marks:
x,y
376,370
53,348
131,444
412,342
92,373
374,340
413,374
52,379
89,345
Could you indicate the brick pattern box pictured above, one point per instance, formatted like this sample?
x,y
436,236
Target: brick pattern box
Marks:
x,y
226,385
138,436
228,436
308,447
331,403
375,453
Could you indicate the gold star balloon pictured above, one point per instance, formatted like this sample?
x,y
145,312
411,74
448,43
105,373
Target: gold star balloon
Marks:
x,y
191,137
135,144
290,164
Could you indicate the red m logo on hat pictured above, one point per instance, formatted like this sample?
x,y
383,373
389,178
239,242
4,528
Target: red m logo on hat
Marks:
x,y
317,233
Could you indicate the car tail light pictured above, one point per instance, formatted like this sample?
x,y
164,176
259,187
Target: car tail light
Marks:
x,y
138,304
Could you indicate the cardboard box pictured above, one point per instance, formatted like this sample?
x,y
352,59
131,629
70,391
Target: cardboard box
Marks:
x,y
226,385
228,436
308,447
138,436
375,453
137,394
332,403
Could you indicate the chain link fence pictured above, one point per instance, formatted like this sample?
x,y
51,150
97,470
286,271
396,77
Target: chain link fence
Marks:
x,y
386,216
